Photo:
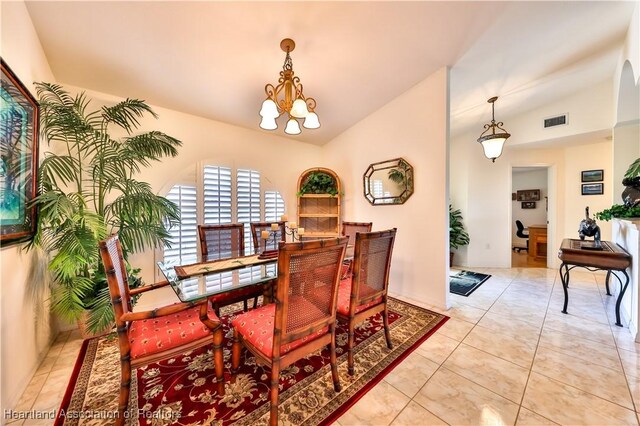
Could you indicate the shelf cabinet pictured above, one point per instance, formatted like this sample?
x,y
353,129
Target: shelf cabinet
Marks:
x,y
319,214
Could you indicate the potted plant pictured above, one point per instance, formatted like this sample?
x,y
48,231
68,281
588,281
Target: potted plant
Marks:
x,y
88,190
319,183
631,196
458,236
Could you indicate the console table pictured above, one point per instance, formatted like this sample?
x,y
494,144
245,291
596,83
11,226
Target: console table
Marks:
x,y
610,257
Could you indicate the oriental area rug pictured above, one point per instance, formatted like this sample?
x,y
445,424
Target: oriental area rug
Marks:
x,y
182,391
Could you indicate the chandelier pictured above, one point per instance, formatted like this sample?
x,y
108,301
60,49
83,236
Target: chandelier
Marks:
x,y
287,97
492,143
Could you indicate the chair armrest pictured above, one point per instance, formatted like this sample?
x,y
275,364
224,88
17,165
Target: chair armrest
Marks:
x,y
148,287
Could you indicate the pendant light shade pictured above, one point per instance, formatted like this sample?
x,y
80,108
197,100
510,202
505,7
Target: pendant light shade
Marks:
x,y
293,128
492,141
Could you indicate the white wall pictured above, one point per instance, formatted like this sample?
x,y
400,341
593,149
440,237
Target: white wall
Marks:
x,y
534,179
25,324
412,126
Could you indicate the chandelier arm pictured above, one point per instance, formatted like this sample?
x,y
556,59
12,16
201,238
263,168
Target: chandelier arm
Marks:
x,y
311,104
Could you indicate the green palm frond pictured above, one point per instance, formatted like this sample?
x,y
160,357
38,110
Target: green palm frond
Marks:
x,y
58,169
126,113
633,170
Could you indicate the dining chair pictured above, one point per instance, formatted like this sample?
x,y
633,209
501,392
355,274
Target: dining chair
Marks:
x,y
303,317
349,229
225,242
149,336
364,293
260,245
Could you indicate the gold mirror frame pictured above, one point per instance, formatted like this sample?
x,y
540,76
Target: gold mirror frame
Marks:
x,y
399,176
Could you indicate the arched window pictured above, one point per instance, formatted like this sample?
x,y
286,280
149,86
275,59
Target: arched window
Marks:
x,y
226,196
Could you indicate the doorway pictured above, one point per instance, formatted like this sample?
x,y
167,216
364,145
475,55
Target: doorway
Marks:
x,y
529,212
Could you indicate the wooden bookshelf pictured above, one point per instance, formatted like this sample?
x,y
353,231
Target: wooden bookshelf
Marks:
x,y
319,214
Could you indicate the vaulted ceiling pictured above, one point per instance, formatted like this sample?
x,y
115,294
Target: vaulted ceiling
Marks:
x,y
212,59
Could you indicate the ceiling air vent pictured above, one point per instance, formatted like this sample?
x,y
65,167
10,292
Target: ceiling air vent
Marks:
x,y
559,120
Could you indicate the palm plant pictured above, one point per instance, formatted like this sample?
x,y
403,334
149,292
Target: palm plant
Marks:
x,y
458,236
88,191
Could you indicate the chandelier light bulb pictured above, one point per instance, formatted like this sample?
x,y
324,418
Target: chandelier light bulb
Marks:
x,y
293,128
269,109
268,123
311,121
299,109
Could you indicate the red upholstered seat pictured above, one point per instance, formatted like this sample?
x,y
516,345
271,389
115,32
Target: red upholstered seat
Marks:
x,y
154,335
344,298
256,327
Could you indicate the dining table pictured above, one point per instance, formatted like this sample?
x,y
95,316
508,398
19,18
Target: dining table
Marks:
x,y
209,278
256,273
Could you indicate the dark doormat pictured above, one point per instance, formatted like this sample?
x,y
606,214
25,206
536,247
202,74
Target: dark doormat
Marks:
x,y
465,282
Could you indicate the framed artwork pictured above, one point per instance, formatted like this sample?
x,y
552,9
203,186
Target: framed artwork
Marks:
x,y
528,204
513,196
18,158
528,195
592,188
592,175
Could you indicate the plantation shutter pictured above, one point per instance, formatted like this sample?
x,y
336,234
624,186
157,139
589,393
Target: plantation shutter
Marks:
x,y
217,195
248,202
183,247
273,206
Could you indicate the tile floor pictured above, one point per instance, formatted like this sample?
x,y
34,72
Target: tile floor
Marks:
x,y
506,356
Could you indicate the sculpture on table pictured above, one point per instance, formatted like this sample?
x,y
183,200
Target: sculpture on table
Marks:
x,y
589,228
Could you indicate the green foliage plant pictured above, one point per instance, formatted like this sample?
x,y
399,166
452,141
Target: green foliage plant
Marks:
x,y
400,174
319,183
458,236
88,190
623,210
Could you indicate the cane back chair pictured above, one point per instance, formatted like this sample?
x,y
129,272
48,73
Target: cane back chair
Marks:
x,y
349,229
303,317
149,336
225,242
364,293
260,245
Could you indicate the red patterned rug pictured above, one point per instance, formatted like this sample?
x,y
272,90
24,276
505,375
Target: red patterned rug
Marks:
x,y
181,390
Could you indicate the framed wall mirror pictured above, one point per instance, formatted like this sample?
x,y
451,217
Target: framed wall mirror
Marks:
x,y
388,182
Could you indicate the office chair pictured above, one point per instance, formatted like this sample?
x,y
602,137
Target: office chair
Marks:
x,y
520,233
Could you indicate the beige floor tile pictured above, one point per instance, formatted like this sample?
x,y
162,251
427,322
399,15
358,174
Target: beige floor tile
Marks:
x,y
519,350
53,390
31,392
455,329
575,326
411,374
568,405
378,407
414,414
465,312
529,418
604,355
630,362
589,377
459,401
502,377
624,340
634,387
437,348
532,314
510,324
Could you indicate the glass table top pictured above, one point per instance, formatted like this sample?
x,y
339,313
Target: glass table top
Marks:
x,y
209,284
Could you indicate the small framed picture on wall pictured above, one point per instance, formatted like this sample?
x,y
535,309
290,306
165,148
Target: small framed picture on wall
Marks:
x,y
593,175
528,204
592,188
